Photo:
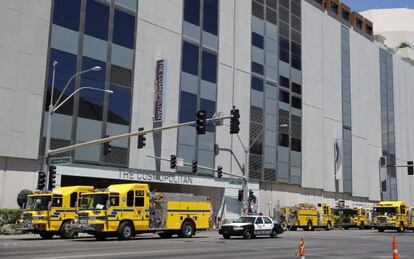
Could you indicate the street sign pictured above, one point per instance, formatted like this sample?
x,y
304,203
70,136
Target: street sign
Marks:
x,y
236,181
180,161
218,118
60,160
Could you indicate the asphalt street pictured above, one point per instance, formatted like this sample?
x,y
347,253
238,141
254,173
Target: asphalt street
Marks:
x,y
318,244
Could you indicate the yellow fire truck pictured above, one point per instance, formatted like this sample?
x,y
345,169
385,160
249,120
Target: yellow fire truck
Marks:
x,y
307,216
49,213
390,215
351,218
124,210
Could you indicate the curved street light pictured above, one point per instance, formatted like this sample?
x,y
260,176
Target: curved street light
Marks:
x,y
56,105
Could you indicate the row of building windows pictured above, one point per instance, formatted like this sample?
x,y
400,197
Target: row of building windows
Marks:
x,y
209,10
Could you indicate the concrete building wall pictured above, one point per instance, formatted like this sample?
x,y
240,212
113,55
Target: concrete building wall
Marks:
x,y
24,26
404,123
366,116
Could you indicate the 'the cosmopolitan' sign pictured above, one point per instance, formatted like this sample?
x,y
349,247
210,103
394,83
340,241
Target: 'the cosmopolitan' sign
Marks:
x,y
154,176
160,89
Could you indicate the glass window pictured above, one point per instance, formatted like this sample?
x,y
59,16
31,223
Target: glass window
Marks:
x,y
271,16
296,48
130,198
296,145
257,84
345,15
192,11
257,68
190,58
57,201
67,14
210,16
296,88
284,49
64,71
114,200
124,29
209,67
271,3
73,199
188,106
296,103
210,108
119,106
334,8
284,81
283,140
267,220
90,101
259,220
257,40
256,148
257,10
97,20
283,96
139,201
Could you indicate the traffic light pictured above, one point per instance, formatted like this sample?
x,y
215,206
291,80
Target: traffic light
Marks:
x,y
52,177
201,122
107,148
410,168
219,171
234,121
195,166
41,180
141,139
173,162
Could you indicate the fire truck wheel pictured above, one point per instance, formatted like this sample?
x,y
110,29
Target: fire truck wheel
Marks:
x,y
329,226
362,225
46,235
187,230
65,232
309,226
401,228
125,231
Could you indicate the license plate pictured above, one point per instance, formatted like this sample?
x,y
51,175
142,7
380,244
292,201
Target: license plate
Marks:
x,y
83,221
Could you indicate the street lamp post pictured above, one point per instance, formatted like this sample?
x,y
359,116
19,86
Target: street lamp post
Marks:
x,y
57,105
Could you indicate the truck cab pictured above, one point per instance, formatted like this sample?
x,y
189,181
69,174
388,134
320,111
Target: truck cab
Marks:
x,y
390,215
124,210
350,217
309,216
49,213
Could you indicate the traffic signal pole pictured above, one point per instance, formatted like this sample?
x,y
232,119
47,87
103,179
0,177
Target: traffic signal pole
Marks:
x,y
128,135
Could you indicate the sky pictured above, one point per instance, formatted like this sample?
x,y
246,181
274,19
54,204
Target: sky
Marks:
x,y
362,5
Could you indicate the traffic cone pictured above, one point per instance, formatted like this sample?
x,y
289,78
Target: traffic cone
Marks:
x,y
394,248
301,249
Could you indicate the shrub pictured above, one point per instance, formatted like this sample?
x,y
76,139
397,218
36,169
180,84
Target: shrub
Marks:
x,y
9,216
9,229
22,197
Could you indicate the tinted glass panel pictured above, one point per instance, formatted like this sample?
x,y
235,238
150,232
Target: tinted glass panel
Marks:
x,y
124,29
209,67
190,58
67,13
257,68
284,81
210,16
283,96
90,101
296,102
210,108
97,19
119,107
257,84
296,145
192,11
188,106
296,88
130,198
64,70
283,140
257,40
